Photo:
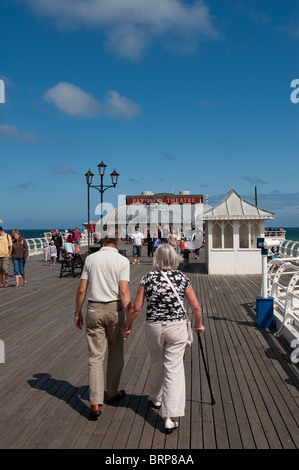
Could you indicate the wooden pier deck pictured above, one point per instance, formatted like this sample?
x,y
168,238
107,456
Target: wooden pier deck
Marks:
x,y
44,379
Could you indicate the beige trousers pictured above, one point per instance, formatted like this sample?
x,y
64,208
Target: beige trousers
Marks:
x,y
167,342
103,323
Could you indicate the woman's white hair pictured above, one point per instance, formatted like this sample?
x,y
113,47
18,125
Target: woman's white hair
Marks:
x,y
166,258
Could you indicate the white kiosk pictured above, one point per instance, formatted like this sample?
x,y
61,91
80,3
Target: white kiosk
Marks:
x,y
232,229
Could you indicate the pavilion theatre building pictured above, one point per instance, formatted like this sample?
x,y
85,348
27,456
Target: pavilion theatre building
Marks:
x,y
176,211
231,227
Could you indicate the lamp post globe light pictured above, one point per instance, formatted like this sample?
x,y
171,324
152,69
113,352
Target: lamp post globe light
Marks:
x,y
101,188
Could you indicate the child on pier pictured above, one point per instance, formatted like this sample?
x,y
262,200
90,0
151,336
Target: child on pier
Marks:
x,y
46,251
52,253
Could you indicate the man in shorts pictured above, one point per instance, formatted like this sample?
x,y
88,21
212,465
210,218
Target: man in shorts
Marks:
x,y
5,253
137,242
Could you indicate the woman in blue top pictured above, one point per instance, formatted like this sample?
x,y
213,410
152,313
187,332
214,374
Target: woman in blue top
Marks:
x,y
156,243
166,331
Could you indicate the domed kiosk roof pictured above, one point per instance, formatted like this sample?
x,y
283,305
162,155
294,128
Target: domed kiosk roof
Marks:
x,y
143,214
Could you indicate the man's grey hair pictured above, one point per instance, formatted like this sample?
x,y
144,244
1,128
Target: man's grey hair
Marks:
x,y
166,258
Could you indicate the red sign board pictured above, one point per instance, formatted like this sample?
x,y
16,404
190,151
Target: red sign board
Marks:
x,y
164,200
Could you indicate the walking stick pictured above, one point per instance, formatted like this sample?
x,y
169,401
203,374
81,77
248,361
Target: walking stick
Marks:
x,y
206,369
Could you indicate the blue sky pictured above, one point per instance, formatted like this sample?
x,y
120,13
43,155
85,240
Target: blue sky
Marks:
x,y
175,95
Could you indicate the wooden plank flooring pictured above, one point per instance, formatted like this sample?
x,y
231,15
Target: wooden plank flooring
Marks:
x,y
44,380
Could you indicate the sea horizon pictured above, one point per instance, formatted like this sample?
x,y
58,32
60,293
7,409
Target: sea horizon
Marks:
x,y
292,233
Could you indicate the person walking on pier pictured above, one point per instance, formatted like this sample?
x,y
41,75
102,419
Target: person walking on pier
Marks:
x,y
166,331
52,253
77,235
57,238
173,239
5,253
19,254
107,274
45,251
137,242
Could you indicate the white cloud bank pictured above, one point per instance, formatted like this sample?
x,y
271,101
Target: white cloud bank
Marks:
x,y
74,101
131,25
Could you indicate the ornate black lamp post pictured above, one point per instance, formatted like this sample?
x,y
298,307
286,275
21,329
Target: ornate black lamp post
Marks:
x,y
101,188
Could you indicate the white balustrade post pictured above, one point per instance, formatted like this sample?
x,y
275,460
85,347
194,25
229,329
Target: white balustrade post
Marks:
x,y
264,276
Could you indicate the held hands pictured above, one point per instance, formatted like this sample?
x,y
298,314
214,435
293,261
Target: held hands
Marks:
x,y
125,331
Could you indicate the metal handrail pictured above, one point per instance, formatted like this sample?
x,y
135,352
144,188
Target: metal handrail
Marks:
x,y
290,248
275,233
283,286
36,245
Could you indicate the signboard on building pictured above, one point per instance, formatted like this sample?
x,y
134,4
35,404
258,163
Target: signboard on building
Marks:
x,y
165,199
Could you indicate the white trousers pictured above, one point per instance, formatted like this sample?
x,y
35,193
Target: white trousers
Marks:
x,y
167,342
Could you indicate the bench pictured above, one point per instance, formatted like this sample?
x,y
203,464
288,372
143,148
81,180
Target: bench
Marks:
x,y
70,265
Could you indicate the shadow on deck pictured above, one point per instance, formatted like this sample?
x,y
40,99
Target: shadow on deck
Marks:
x,y
44,380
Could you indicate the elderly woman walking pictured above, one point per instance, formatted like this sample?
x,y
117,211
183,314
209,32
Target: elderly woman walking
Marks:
x,y
166,331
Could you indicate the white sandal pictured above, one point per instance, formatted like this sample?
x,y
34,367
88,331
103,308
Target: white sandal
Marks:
x,y
170,425
157,404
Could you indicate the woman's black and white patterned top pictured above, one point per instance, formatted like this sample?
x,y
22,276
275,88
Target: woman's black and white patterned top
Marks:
x,y
163,304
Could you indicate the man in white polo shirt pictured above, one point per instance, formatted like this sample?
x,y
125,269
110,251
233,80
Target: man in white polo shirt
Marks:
x,y
107,274
137,242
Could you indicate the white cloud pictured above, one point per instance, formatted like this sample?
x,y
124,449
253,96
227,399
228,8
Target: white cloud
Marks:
x,y
12,132
74,101
119,106
131,25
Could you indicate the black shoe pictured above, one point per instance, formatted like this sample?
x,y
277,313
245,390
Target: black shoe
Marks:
x,y
121,394
95,412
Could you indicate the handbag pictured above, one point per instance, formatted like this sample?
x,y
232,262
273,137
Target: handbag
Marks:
x,y
188,322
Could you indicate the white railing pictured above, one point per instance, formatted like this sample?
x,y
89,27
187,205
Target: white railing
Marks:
x,y
36,245
289,248
283,286
275,233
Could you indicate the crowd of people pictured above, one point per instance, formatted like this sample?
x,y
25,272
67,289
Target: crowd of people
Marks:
x,y
111,314
275,229
57,248
15,247
154,238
